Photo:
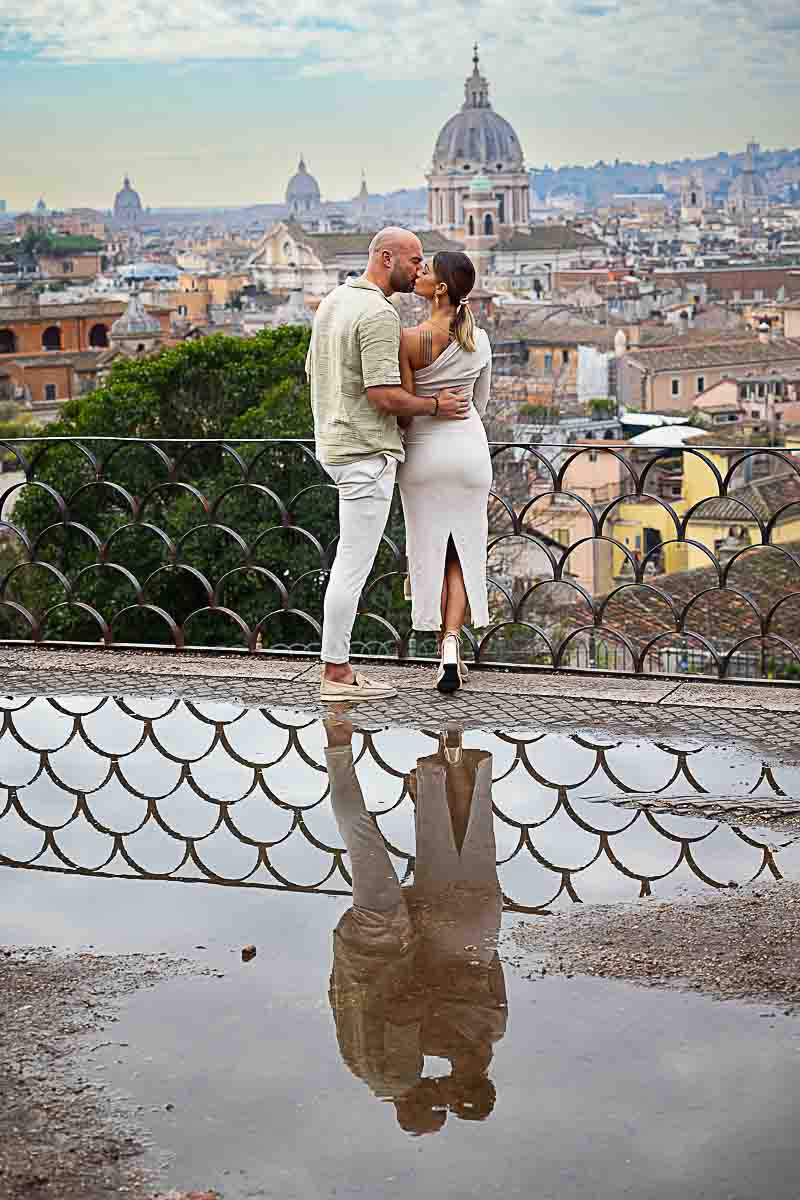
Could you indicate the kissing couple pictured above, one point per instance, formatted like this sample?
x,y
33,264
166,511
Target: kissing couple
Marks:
x,y
406,405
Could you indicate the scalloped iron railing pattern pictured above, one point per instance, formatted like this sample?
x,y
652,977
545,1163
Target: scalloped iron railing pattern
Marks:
x,y
218,793
211,543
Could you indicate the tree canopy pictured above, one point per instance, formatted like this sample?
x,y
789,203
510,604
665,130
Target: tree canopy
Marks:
x,y
148,535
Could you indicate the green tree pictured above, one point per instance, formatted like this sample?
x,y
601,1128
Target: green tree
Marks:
x,y
155,530
35,242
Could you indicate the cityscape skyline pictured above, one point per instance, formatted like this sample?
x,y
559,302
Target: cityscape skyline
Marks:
x,y
214,121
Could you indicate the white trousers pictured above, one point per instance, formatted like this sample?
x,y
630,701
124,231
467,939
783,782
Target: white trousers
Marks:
x,y
365,495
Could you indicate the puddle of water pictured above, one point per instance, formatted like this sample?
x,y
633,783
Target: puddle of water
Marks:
x,y
382,1046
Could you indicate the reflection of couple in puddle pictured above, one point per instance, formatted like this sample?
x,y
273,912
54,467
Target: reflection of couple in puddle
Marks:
x,y
415,969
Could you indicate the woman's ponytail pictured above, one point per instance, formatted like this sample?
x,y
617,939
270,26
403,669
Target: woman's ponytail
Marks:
x,y
464,327
457,272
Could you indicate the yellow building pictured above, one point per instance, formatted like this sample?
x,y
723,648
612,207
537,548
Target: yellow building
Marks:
x,y
759,487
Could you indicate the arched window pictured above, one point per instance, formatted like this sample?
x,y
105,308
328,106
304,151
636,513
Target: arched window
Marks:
x,y
488,225
98,337
471,227
8,342
693,199
51,338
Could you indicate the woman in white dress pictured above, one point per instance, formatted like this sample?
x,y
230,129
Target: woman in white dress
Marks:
x,y
445,479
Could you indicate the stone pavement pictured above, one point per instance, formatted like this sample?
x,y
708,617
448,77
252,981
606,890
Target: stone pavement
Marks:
x,y
765,717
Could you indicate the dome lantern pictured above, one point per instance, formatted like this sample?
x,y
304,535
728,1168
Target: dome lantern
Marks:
x,y
476,86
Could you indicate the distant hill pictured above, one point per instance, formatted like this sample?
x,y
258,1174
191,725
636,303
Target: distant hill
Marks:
x,y
602,179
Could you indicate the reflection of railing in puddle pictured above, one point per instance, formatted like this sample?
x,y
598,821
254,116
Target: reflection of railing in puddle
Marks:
x,y
196,792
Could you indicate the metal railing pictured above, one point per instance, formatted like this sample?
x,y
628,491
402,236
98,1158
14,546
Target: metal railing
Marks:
x,y
228,544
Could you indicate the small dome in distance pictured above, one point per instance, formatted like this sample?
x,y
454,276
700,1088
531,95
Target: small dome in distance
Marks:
x,y
302,191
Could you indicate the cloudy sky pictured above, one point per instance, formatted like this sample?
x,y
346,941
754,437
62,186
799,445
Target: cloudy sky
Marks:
x,y
211,101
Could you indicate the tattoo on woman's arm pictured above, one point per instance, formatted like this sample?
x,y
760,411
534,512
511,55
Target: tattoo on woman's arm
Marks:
x,y
426,347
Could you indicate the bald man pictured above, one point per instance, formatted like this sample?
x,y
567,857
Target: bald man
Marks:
x,y
353,365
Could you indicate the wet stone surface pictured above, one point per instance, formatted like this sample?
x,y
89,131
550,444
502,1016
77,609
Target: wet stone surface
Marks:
x,y
743,944
204,1009
760,717
61,1134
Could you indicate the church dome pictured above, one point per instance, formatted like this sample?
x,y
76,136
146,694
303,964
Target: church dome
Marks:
x,y
127,202
747,189
477,138
135,322
302,190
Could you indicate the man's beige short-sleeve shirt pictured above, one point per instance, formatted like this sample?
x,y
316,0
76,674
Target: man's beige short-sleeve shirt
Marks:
x,y
355,344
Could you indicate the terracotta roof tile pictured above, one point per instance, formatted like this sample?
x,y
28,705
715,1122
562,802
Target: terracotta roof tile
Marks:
x,y
736,352
549,237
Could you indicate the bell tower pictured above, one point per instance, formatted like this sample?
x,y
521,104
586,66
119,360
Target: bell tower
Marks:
x,y
693,200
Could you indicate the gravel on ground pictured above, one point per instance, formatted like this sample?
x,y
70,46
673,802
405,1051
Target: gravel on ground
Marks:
x,y
743,944
62,1136
778,816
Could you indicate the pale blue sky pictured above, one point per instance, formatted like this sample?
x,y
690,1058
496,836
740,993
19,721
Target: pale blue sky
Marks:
x,y
211,101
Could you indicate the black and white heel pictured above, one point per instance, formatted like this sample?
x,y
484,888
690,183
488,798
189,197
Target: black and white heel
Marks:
x,y
448,677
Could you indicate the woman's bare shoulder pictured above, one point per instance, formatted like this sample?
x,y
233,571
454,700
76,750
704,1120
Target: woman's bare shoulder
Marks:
x,y
418,343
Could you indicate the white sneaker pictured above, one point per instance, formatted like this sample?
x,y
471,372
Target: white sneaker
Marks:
x,y
448,677
360,689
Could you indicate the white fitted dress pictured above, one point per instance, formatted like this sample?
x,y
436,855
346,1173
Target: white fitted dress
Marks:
x,y
444,484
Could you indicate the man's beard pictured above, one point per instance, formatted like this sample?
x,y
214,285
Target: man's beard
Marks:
x,y
399,282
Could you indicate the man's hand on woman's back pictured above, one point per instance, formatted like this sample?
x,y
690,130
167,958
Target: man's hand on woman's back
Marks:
x,y
453,405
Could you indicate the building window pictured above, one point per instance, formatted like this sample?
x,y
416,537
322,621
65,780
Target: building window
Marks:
x,y
488,225
67,267
561,536
50,392
51,338
548,362
701,383
472,227
676,387
182,310
565,356
98,337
